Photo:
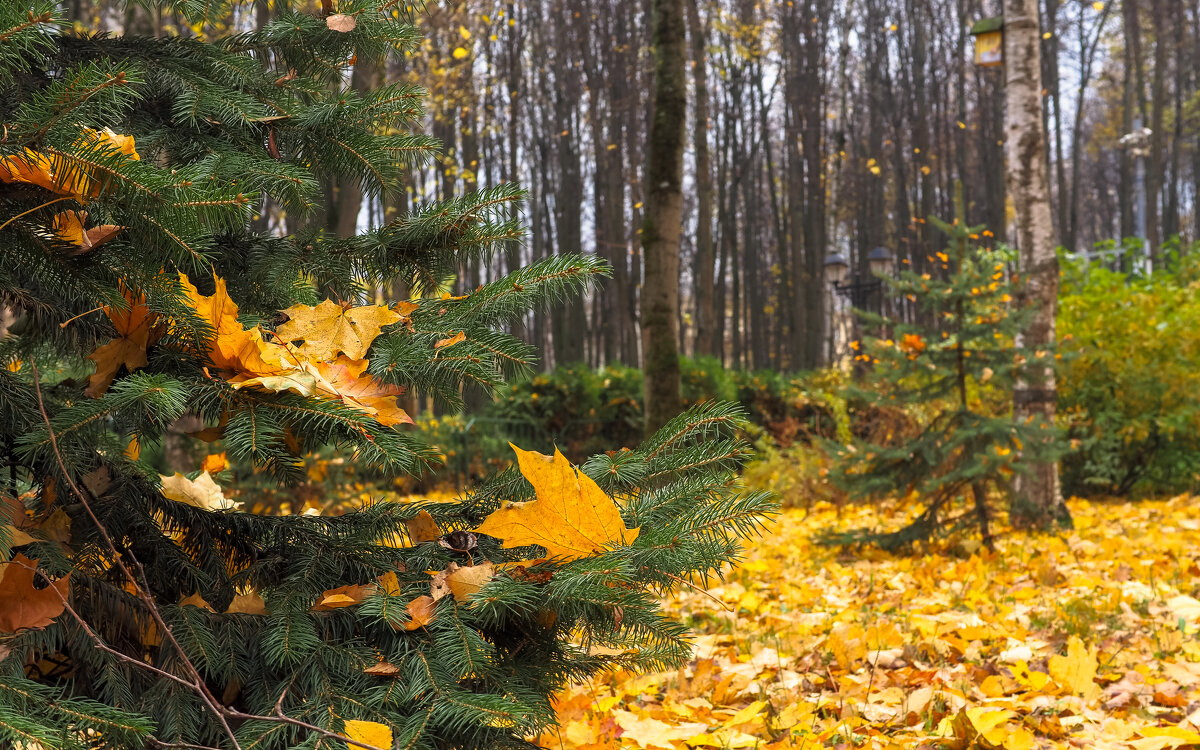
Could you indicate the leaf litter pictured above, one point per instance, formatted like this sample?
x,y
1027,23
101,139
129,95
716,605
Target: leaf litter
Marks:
x,y
1087,639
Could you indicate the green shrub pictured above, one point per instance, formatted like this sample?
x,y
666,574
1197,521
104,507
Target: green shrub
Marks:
x,y
1130,394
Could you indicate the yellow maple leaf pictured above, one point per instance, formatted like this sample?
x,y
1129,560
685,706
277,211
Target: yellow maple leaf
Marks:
x,y
571,517
985,722
368,732
1077,670
328,328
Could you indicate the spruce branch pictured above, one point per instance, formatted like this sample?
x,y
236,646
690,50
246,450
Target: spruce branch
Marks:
x,y
141,586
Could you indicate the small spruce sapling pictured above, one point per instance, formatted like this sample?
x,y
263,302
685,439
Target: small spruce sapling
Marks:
x,y
951,368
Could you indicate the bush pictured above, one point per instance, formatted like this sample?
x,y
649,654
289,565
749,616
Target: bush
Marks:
x,y
1129,393
582,411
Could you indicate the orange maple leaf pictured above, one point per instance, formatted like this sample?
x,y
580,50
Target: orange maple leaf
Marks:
x,y
346,379
58,174
571,517
912,344
68,226
25,604
235,348
137,326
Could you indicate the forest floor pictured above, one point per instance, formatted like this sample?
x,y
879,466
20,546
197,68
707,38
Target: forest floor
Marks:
x,y
1087,639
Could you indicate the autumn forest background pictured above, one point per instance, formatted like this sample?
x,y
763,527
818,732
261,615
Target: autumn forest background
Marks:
x,y
599,374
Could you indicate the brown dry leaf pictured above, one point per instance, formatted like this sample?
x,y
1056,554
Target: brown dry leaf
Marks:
x,y
382,669
328,328
137,329
469,580
25,604
341,22
422,528
68,226
201,492
344,596
56,527
439,587
571,517
421,612
457,338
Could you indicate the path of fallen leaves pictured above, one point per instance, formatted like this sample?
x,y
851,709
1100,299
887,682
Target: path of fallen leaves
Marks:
x,y
1088,639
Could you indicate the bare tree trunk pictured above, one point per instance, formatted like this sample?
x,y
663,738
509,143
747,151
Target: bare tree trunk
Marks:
x,y
569,323
663,223
705,257
1154,170
1038,502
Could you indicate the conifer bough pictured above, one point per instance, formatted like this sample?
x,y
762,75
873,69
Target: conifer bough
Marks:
x,y
141,611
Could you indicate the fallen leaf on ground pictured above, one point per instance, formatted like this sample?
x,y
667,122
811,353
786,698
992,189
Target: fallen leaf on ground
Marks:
x,y
1077,670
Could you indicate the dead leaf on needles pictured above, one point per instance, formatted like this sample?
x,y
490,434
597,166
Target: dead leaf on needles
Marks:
x,y
29,599
571,517
328,328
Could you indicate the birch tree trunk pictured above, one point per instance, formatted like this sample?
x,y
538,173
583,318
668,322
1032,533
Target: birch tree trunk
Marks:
x,y
1038,500
663,222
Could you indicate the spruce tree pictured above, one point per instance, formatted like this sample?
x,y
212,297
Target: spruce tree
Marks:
x,y
140,290
951,368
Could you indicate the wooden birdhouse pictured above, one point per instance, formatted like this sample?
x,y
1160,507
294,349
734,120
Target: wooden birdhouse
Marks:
x,y
989,41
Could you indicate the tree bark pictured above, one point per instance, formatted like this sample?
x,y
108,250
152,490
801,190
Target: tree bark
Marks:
x,y
705,257
1038,500
663,222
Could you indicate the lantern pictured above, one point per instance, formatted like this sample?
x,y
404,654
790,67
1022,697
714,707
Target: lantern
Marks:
x,y
989,41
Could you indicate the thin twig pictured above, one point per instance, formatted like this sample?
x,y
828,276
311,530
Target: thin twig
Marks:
x,y
688,583
222,712
142,587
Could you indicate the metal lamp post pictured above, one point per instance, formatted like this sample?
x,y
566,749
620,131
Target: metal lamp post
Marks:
x,y
860,289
